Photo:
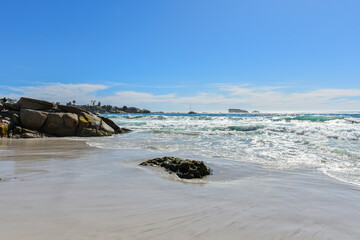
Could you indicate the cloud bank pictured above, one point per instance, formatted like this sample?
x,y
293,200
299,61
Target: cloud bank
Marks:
x,y
218,98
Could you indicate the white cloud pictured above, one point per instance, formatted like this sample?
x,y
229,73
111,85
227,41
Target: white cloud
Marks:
x,y
221,97
274,98
133,97
57,92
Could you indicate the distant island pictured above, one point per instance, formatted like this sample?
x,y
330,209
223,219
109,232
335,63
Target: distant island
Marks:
x,y
237,110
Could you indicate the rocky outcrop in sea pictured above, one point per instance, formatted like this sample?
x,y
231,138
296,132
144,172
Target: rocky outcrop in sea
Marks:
x,y
32,118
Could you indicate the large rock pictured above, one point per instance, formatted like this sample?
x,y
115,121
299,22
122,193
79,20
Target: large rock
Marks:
x,y
11,106
71,109
34,104
61,124
113,125
106,129
70,120
184,168
15,117
91,125
88,123
27,133
32,119
93,120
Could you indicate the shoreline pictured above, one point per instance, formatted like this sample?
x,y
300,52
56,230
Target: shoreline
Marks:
x,y
67,189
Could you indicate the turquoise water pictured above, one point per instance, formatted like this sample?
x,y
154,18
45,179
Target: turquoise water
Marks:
x,y
328,143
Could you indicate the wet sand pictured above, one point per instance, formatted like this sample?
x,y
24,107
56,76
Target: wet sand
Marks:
x,y
63,189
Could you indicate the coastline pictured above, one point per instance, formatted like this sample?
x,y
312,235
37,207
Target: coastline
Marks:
x,y
65,189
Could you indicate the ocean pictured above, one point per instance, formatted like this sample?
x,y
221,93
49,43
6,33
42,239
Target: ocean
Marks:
x,y
328,143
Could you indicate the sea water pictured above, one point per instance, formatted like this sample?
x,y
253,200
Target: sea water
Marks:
x,y
329,143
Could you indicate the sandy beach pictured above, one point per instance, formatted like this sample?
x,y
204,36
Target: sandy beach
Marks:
x,y
64,189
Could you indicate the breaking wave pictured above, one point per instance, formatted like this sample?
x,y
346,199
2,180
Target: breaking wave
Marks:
x,y
327,143
311,118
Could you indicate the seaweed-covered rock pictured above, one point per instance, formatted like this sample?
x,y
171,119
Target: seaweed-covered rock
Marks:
x,y
92,125
184,168
4,128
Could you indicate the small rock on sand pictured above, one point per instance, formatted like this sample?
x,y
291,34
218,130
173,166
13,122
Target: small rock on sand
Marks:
x,y
184,168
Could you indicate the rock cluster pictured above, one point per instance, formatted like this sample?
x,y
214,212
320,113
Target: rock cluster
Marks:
x,y
184,168
32,118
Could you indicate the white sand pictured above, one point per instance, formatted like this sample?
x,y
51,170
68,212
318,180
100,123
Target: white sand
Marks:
x,y
62,189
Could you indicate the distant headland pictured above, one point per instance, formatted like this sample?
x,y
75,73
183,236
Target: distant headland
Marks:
x,y
97,108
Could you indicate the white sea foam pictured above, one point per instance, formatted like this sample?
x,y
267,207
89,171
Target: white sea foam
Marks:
x,y
328,143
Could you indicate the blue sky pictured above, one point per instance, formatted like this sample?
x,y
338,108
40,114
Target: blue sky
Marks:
x,y
165,55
